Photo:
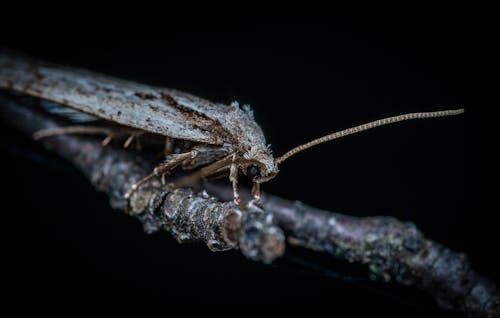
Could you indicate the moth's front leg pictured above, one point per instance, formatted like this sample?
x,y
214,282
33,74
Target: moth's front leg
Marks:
x,y
171,163
256,191
233,178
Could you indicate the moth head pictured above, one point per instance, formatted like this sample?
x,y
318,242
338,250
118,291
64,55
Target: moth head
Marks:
x,y
258,165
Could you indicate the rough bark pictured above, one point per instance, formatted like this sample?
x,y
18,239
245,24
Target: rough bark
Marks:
x,y
390,249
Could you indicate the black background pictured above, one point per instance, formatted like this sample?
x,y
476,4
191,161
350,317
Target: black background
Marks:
x,y
305,73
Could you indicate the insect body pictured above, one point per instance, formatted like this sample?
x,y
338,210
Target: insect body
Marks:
x,y
227,140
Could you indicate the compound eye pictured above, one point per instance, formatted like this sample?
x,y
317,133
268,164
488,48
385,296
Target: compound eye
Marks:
x,y
253,172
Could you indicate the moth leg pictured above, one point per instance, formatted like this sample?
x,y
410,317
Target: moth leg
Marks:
x,y
128,141
219,166
163,168
233,178
110,133
134,136
256,191
219,174
85,130
107,140
169,146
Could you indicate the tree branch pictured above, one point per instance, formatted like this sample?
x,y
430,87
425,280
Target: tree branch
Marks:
x,y
390,249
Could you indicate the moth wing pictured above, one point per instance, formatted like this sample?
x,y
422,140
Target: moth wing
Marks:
x,y
124,102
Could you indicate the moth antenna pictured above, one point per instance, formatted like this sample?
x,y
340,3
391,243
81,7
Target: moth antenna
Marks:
x,y
363,127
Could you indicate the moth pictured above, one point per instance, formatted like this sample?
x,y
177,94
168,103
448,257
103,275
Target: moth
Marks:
x,y
208,138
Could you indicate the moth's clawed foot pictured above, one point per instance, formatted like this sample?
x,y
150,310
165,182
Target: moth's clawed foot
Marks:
x,y
239,202
256,192
256,198
244,205
256,202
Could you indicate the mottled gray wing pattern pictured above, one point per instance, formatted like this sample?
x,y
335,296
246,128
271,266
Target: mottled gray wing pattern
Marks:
x,y
156,110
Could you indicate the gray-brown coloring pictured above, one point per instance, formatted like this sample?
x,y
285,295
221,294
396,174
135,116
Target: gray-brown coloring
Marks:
x,y
227,139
